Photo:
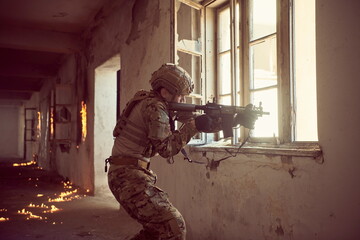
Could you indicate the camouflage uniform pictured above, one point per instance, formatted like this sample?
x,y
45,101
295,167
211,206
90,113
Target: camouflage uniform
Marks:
x,y
142,132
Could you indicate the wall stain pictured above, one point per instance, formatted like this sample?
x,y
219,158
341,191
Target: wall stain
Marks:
x,y
288,165
279,230
139,16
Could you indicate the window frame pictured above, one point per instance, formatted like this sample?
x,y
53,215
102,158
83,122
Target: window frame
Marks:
x,y
284,87
285,143
178,46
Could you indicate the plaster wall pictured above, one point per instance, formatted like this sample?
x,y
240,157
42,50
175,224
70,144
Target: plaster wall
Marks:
x,y
141,39
68,164
45,155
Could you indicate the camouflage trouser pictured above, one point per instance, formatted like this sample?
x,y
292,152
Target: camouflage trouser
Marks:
x,y
134,189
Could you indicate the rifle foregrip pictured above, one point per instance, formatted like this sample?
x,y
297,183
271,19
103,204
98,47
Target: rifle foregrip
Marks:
x,y
182,107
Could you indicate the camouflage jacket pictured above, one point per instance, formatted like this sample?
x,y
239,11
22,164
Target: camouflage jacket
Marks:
x,y
144,129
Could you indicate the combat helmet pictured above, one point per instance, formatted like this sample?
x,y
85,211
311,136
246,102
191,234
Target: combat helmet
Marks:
x,y
172,77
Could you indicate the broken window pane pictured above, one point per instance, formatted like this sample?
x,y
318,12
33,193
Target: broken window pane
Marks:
x,y
263,64
262,18
192,64
188,19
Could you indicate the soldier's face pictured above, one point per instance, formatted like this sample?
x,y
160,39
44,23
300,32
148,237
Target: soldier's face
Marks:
x,y
179,98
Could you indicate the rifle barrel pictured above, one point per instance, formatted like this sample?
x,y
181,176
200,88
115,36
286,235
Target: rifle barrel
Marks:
x,y
184,107
224,109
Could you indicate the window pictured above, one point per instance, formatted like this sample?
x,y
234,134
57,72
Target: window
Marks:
x,y
304,56
263,75
253,51
188,49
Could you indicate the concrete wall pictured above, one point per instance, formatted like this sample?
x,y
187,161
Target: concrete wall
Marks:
x,y
12,130
250,196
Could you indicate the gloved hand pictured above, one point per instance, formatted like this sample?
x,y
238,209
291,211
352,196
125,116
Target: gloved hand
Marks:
x,y
208,124
246,118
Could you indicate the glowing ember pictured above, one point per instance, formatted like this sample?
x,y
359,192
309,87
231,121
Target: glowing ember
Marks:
x,y
32,162
83,121
39,211
65,196
30,215
38,206
2,219
52,209
68,185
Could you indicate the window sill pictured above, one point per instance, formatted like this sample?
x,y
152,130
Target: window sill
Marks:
x,y
296,149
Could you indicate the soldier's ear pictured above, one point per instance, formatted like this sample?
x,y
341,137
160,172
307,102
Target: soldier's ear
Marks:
x,y
165,94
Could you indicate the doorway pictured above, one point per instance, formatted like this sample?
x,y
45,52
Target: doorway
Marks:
x,y
105,109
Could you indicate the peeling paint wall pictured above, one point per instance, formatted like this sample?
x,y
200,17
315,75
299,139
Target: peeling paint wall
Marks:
x,y
45,155
250,196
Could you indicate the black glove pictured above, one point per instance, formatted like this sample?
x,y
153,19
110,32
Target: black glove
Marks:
x,y
207,124
246,118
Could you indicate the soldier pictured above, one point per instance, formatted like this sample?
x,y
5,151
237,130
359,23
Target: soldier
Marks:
x,y
145,128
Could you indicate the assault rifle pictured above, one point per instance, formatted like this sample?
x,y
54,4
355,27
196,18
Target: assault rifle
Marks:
x,y
226,116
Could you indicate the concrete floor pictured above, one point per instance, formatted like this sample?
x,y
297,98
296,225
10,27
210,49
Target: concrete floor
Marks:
x,y
28,210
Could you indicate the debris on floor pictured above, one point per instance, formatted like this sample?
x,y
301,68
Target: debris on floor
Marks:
x,y
37,204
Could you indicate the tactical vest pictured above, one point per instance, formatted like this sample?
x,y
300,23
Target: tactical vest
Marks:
x,y
129,129
135,131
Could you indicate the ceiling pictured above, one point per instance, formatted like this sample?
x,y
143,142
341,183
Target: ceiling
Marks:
x,y
34,38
